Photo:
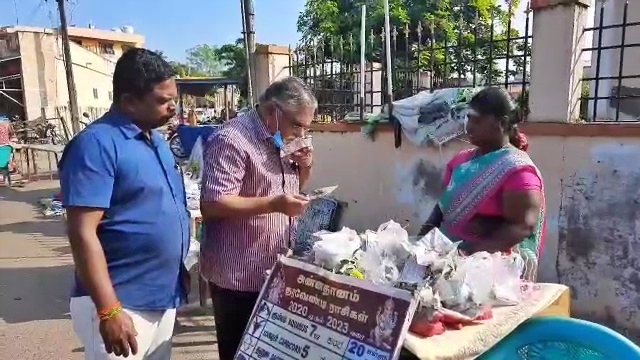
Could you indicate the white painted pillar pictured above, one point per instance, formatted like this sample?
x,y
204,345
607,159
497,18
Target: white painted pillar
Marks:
x,y
556,66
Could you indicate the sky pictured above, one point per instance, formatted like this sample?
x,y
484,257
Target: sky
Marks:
x,y
169,25
174,26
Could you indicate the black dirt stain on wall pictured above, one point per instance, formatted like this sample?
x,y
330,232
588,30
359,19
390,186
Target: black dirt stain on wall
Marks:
x,y
576,232
598,245
427,178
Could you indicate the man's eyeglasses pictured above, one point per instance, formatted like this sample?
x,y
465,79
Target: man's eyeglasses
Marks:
x,y
297,124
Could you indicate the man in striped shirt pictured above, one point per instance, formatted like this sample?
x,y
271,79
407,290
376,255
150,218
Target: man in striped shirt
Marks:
x,y
250,198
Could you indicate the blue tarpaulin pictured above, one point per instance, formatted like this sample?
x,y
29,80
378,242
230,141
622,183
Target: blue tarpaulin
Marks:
x,y
190,134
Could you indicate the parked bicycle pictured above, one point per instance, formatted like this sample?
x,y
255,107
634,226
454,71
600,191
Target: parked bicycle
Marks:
x,y
37,132
50,134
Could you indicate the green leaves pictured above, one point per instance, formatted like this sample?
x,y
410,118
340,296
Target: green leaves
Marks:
x,y
205,59
234,59
447,37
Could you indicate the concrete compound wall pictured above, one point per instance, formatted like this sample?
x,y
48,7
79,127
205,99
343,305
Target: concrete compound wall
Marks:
x,y
591,188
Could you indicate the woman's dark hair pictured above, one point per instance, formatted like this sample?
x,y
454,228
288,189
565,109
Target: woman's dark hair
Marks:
x,y
138,71
497,102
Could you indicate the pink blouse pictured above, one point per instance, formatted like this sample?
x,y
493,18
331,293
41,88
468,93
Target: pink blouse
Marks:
x,y
5,139
522,179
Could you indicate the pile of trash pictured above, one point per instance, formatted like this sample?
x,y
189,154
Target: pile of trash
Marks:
x,y
52,205
452,289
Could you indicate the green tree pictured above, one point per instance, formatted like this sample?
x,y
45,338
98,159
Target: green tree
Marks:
x,y
182,69
228,60
451,38
234,60
205,59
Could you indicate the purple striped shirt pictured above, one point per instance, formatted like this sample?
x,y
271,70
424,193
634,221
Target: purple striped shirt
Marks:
x,y
241,159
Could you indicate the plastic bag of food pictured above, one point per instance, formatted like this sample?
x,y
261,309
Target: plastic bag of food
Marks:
x,y
332,248
386,252
465,284
412,272
392,241
507,284
384,273
436,241
457,295
196,161
473,284
433,248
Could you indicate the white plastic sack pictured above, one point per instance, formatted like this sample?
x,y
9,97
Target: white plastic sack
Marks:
x,y
333,247
434,117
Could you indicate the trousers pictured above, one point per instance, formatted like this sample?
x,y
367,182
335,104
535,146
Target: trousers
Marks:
x,y
231,310
155,331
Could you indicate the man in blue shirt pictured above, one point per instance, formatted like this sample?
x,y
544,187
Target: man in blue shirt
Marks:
x,y
127,219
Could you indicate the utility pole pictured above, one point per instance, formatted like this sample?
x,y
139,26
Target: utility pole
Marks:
x,y
68,67
249,16
247,54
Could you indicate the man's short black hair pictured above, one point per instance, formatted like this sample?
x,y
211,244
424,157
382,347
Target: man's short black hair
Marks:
x,y
138,71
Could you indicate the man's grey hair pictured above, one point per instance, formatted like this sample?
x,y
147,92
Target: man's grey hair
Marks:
x,y
291,93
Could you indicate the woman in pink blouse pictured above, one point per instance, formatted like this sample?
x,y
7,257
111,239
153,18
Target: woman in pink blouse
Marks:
x,y
494,194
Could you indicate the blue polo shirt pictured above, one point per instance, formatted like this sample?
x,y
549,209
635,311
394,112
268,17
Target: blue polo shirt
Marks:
x,y
144,233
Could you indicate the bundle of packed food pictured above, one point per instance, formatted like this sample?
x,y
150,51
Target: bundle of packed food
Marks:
x,y
452,289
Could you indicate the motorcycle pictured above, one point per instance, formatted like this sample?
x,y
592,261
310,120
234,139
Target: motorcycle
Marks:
x,y
175,144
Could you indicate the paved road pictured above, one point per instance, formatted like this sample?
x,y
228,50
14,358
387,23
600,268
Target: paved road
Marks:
x,y
35,277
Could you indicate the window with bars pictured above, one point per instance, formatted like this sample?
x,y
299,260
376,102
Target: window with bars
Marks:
x,y
107,48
